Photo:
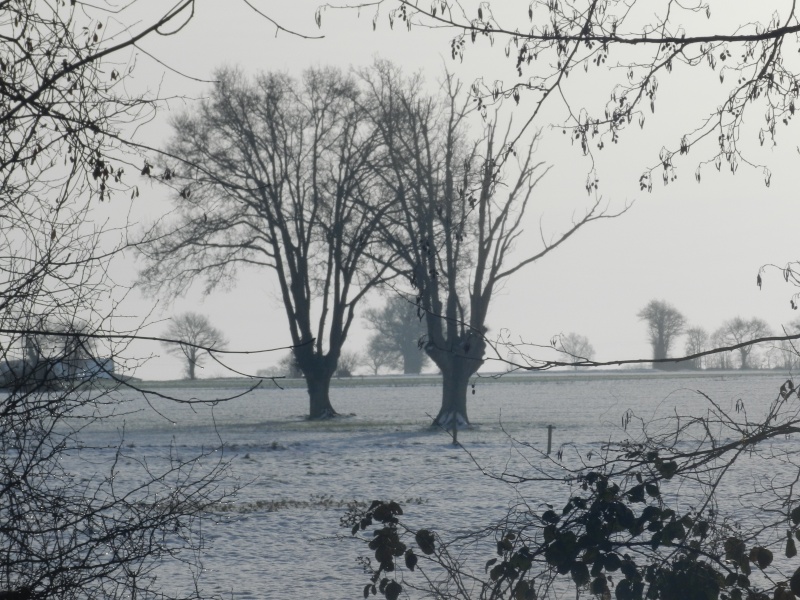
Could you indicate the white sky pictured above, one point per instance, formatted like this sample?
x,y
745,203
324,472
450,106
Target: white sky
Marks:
x,y
698,246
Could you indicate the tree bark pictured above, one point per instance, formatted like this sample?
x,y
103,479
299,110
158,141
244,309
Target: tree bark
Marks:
x,y
457,368
320,406
318,371
454,399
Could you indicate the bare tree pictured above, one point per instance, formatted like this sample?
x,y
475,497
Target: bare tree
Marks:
x,y
575,347
348,363
455,219
72,528
378,356
721,360
198,334
696,342
664,324
738,330
276,174
398,330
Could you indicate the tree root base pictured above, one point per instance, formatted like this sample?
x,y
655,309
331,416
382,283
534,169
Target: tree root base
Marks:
x,y
446,421
327,414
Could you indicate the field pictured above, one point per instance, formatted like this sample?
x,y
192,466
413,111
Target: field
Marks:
x,y
279,538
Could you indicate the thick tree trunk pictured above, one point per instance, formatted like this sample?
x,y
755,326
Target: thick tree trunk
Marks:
x,y
317,370
457,367
190,371
455,382
320,406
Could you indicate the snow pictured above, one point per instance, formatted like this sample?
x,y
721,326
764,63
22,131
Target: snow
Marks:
x,y
280,537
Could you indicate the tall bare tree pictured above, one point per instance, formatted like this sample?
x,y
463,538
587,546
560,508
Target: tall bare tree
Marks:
x,y
738,330
274,174
575,347
199,334
664,324
455,219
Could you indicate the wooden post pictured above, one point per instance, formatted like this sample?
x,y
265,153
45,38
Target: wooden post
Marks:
x,y
549,438
455,431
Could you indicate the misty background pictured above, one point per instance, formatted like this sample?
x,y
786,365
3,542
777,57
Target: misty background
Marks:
x,y
697,246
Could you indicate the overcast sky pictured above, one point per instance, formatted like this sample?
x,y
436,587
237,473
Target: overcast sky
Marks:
x,y
698,246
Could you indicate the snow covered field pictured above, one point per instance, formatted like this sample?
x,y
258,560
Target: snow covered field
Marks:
x,y
277,540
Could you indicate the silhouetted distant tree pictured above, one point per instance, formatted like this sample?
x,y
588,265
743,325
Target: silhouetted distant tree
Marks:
x,y
738,330
398,330
720,360
575,347
664,324
348,363
377,356
199,334
288,366
786,354
696,342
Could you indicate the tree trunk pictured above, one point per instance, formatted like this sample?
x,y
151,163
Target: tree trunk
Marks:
x,y
454,397
320,406
457,367
317,371
412,360
745,358
190,369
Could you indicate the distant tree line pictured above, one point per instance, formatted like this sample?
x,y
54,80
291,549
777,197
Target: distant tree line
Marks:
x,y
665,324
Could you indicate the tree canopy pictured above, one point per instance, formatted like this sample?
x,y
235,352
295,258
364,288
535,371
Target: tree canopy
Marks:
x,y
664,324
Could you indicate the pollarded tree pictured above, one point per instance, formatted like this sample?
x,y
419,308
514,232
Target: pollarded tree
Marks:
x,y
398,330
738,330
276,174
696,342
456,217
575,347
664,324
198,336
